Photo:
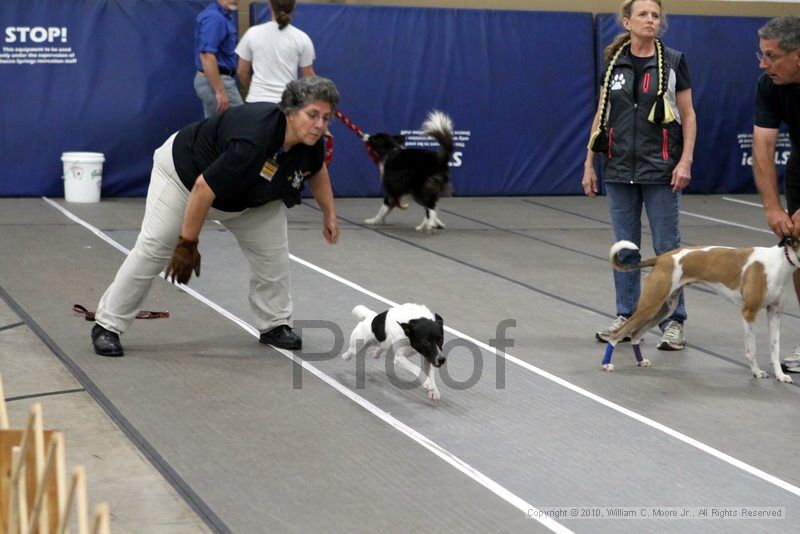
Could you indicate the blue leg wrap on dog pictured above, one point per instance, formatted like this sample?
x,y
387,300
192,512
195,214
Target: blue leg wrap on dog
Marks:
x,y
637,351
609,352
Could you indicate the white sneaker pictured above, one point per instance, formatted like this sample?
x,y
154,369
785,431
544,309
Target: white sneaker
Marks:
x,y
672,337
604,335
791,364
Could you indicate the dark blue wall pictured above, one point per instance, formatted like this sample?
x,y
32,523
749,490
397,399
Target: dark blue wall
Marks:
x,y
129,89
520,86
517,91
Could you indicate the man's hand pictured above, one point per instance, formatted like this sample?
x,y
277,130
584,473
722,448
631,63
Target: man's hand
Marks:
x,y
330,229
222,100
780,222
185,258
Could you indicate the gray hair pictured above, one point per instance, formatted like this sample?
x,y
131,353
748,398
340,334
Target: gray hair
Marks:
x,y
785,30
299,93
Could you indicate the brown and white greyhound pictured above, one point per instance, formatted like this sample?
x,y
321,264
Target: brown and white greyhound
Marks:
x,y
752,278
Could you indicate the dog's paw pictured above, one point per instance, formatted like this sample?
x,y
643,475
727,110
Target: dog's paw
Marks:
x,y
608,367
644,363
374,221
784,378
439,225
425,228
434,394
758,373
346,355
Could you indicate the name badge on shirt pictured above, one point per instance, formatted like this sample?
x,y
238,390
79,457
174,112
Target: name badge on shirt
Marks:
x,y
269,169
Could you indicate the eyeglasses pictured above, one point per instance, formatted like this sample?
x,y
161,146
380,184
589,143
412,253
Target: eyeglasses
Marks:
x,y
769,59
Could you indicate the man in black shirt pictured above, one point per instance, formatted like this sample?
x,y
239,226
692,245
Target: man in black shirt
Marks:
x,y
777,101
242,167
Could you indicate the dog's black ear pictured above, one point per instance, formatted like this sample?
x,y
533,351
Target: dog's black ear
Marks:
x,y
379,326
440,322
406,329
400,139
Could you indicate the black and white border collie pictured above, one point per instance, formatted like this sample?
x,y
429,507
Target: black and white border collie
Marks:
x,y
423,174
404,331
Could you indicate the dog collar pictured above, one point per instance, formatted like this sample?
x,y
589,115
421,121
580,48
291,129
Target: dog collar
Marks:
x,y
791,261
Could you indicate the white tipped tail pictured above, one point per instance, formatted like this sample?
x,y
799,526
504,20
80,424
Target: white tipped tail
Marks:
x,y
362,312
437,122
618,247
439,126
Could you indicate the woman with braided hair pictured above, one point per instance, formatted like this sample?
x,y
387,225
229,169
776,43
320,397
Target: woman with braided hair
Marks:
x,y
645,129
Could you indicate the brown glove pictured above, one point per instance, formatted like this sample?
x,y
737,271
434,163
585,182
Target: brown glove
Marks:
x,y
184,259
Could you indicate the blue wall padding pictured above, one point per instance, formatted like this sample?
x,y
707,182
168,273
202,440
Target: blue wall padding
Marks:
x,y
130,88
509,78
720,52
520,86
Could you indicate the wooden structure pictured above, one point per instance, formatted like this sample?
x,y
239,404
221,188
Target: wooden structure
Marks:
x,y
34,497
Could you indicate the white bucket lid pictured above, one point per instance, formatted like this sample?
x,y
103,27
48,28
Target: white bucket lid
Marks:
x,y
86,157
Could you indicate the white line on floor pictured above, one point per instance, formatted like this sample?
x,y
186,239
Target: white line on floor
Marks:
x,y
577,389
723,221
746,202
516,501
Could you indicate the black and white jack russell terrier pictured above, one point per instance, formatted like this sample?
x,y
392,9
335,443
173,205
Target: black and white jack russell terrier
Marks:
x,y
403,331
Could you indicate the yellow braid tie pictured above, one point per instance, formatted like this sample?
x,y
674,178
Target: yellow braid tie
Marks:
x,y
604,104
661,97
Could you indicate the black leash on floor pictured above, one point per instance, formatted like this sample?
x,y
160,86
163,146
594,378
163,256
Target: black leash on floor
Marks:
x,y
89,315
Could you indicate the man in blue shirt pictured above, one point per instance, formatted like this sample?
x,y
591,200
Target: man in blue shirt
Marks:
x,y
215,37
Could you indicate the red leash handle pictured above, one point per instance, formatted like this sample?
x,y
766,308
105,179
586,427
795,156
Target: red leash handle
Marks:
x,y
350,124
361,134
328,148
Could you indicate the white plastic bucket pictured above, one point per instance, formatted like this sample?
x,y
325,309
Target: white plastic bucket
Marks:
x,y
83,175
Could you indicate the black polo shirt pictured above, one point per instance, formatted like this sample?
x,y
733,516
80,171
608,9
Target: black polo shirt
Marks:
x,y
230,150
776,104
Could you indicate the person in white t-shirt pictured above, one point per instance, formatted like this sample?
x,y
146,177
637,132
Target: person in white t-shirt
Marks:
x,y
274,51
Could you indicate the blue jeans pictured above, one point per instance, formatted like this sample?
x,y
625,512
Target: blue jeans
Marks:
x,y
206,93
625,206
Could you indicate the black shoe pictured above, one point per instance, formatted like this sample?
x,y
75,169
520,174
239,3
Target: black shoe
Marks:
x,y
106,342
282,337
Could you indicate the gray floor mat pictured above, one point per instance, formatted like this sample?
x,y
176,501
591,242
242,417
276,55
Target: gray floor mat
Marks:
x,y
223,414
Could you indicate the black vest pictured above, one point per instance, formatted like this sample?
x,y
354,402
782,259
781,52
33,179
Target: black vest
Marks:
x,y
640,151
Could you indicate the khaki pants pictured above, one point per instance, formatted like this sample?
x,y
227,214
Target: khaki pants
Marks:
x,y
261,233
